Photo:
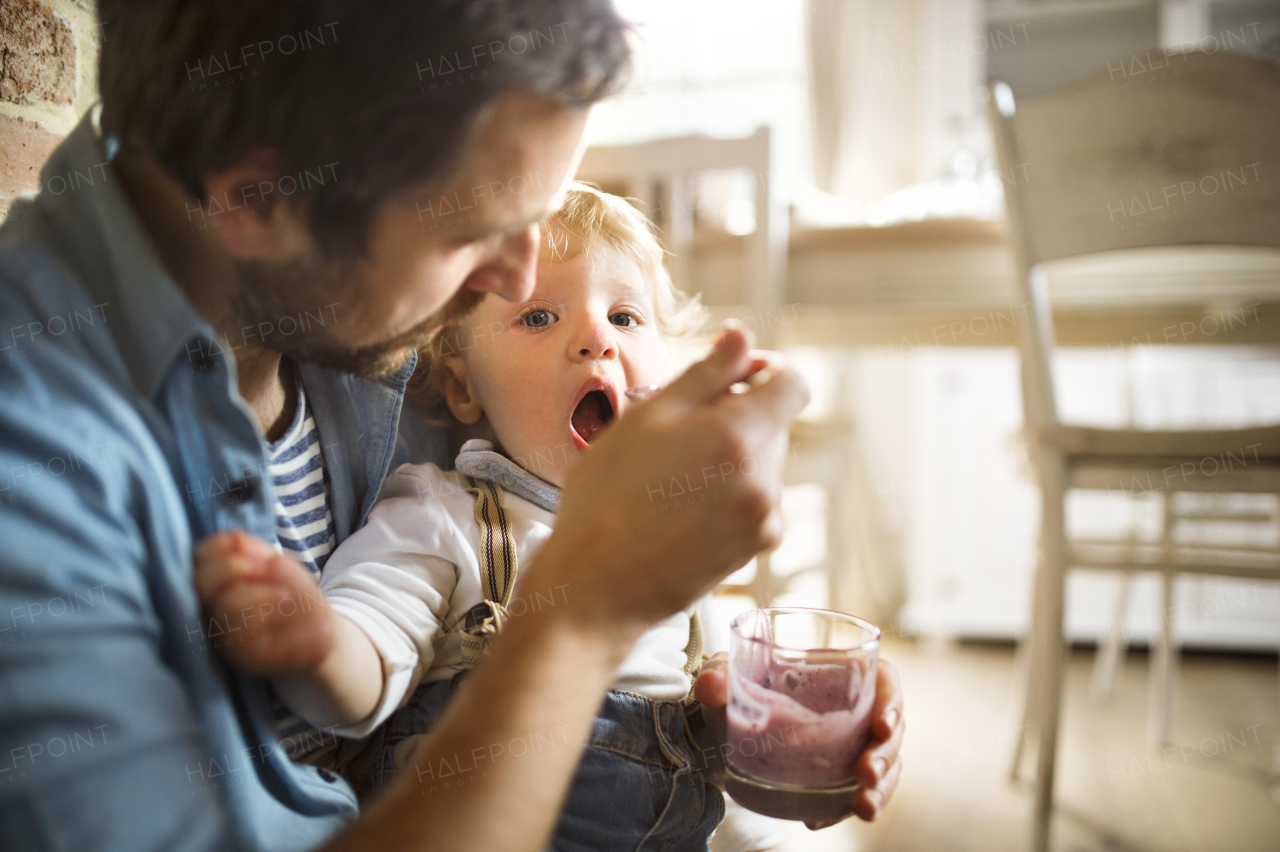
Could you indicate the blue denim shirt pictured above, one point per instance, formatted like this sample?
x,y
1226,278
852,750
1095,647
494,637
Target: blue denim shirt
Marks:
x,y
123,442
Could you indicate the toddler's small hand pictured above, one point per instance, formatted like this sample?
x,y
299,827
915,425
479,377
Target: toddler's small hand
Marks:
x,y
266,613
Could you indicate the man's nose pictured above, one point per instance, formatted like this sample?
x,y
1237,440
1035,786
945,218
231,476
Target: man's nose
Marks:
x,y
512,273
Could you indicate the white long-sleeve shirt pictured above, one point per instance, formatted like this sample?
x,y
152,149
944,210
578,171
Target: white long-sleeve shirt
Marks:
x,y
412,572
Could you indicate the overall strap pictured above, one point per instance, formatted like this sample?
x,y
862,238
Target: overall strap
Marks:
x,y
496,552
693,652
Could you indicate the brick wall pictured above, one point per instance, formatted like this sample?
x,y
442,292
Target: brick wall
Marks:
x,y
48,79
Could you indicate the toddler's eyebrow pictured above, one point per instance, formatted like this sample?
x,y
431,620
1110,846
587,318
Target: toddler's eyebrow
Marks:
x,y
627,289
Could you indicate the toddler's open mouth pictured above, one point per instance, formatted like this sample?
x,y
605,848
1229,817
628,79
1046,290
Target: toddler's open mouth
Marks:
x,y
592,414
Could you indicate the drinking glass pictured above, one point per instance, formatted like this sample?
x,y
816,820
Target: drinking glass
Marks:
x,y
802,683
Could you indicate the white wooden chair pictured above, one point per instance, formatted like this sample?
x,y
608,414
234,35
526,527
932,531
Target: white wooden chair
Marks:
x,y
1110,168
660,175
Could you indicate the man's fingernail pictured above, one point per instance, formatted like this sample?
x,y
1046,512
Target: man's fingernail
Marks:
x,y
879,765
640,393
876,799
891,719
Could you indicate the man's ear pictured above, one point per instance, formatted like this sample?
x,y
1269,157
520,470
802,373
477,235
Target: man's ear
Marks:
x,y
244,206
458,393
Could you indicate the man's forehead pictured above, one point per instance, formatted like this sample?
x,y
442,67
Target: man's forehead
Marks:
x,y
521,155
480,204
514,174
507,196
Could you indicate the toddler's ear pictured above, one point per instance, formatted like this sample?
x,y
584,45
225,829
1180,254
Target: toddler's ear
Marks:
x,y
457,392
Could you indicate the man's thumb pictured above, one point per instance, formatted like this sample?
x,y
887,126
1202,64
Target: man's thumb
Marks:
x,y
713,375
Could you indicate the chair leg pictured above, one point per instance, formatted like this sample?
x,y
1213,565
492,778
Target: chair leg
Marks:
x,y
1029,674
1275,768
1275,757
1275,760
1163,688
1163,676
1112,647
1024,674
1050,646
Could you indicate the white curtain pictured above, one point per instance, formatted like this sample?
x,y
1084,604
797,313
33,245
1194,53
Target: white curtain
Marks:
x,y
891,86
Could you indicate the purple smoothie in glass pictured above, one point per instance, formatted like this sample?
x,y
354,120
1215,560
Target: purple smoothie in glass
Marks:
x,y
798,718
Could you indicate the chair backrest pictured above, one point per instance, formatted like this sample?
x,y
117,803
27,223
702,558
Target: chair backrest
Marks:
x,y
660,174
1184,150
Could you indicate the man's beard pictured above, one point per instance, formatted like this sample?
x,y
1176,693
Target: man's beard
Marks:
x,y
284,308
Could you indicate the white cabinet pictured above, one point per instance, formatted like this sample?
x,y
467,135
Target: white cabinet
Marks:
x,y
948,475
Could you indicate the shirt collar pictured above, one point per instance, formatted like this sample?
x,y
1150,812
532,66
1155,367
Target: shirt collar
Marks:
x,y
479,459
154,320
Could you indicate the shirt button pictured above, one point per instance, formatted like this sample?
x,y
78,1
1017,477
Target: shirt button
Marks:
x,y
242,491
202,361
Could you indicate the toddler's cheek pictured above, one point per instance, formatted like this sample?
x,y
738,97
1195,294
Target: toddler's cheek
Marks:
x,y
654,364
666,360
661,371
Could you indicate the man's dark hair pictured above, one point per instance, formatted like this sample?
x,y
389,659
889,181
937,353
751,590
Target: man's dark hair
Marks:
x,y
388,91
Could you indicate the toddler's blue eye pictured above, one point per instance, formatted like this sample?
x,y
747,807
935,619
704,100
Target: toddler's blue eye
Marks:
x,y
622,319
538,319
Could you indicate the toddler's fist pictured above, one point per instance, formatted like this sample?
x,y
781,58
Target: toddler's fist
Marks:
x,y
269,611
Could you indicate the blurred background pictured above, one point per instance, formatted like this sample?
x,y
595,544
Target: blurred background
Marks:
x,y
826,171
889,273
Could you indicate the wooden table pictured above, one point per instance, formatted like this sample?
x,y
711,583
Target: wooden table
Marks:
x,y
951,283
